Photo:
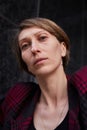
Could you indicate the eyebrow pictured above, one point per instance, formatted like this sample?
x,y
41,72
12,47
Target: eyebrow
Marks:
x,y
41,32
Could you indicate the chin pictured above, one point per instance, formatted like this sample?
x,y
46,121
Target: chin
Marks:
x,y
42,71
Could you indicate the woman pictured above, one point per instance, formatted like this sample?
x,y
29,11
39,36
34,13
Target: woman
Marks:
x,y
42,49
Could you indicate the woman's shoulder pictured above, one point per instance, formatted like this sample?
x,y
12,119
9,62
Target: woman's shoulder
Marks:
x,y
21,90
79,79
18,94
78,82
22,86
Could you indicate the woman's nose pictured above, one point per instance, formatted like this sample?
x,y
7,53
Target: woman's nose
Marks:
x,y
35,48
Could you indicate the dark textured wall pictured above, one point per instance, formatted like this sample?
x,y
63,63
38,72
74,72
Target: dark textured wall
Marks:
x,y
69,14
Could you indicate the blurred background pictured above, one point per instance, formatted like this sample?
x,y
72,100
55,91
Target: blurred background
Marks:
x,y
69,14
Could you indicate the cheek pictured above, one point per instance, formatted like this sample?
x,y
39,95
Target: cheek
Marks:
x,y
25,58
27,61
57,54
57,50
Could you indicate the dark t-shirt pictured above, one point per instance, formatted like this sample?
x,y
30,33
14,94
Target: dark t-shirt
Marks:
x,y
62,126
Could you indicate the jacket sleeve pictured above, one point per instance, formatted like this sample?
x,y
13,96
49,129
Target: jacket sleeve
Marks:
x,y
79,80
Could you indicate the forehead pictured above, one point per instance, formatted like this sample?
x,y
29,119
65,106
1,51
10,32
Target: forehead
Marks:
x,y
30,32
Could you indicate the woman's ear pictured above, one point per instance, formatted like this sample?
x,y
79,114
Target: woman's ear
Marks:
x,y
63,49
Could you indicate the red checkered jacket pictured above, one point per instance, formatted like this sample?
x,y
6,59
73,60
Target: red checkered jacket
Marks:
x,y
16,111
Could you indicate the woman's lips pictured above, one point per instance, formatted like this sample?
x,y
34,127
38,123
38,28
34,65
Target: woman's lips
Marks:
x,y
40,60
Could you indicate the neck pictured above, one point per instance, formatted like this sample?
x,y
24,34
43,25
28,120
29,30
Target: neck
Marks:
x,y
53,88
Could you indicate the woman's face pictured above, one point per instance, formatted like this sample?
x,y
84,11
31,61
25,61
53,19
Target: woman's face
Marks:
x,y
41,51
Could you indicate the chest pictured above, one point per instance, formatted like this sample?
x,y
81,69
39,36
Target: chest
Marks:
x,y
62,126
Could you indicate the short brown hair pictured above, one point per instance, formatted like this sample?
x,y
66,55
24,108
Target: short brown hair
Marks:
x,y
49,26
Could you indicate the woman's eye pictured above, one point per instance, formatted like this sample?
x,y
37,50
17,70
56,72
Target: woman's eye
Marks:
x,y
25,46
42,38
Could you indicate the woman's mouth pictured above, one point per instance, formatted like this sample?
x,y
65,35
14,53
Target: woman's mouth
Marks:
x,y
39,61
